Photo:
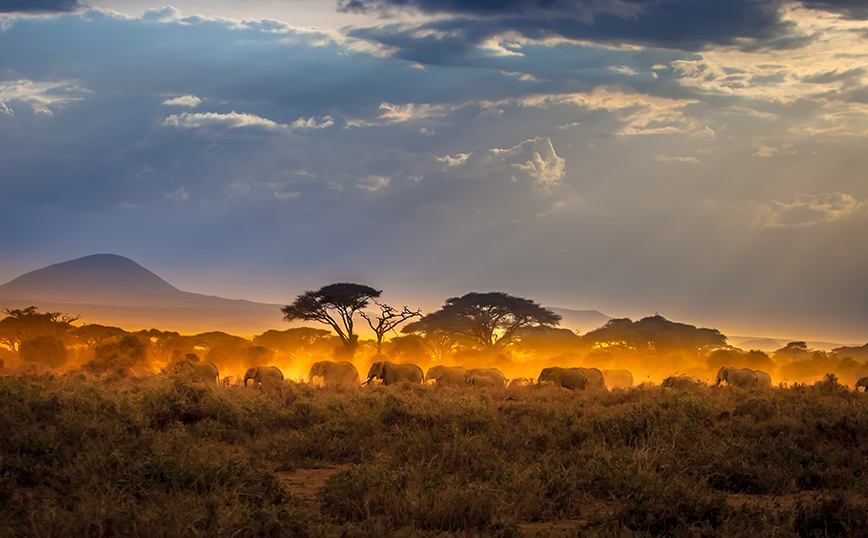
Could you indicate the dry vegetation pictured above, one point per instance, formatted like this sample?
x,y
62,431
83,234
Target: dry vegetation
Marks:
x,y
165,456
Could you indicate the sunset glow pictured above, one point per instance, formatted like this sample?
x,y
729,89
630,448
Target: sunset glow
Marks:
x,y
701,160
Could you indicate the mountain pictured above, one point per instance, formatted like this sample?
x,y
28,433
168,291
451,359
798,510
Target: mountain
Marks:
x,y
581,320
114,290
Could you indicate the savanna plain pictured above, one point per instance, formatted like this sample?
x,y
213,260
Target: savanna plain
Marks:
x,y
165,455
107,439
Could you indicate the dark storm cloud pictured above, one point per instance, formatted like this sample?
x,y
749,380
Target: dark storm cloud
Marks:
x,y
852,9
678,24
38,6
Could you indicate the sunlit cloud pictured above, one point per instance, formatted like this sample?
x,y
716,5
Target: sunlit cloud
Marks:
x,y
184,100
42,95
812,209
217,121
373,183
164,14
533,160
313,123
770,151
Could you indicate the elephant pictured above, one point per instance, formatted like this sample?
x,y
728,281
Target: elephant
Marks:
x,y
568,378
447,376
485,377
337,375
391,373
264,375
863,382
739,377
763,379
680,382
198,371
595,378
618,379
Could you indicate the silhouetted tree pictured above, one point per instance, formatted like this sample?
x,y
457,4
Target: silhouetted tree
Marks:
x,y
487,319
859,353
656,334
754,359
793,351
92,334
546,340
409,348
127,352
24,324
335,305
388,319
46,350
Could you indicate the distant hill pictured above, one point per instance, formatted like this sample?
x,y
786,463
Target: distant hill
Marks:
x,y
114,290
773,344
581,320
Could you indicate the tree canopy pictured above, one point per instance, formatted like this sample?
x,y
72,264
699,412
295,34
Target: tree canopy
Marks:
x,y
488,319
335,305
24,324
655,333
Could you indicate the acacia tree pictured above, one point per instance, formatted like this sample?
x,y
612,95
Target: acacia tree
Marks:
x,y
487,319
437,332
388,319
24,324
335,305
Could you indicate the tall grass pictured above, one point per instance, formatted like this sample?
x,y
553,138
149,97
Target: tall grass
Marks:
x,y
166,456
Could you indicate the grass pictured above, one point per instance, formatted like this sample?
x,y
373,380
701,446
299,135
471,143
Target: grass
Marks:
x,y
163,456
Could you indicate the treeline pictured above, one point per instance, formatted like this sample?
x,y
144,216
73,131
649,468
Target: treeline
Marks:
x,y
492,329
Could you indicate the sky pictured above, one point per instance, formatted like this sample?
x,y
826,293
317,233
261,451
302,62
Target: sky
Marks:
x,y
701,159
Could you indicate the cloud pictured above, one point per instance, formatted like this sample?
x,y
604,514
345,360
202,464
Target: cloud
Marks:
x,y
165,14
185,100
38,6
213,121
534,161
764,150
853,9
811,209
670,159
833,76
179,195
678,24
536,158
42,96
313,123
373,183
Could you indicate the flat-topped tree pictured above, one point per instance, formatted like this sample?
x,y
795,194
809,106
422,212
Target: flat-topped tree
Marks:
x,y
335,305
489,319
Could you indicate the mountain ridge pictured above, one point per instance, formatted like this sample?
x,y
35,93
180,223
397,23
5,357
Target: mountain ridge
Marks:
x,y
115,290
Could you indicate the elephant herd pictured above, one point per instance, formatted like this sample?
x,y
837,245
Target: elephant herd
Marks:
x,y
343,375
735,377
